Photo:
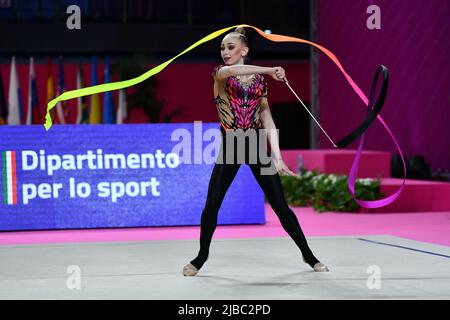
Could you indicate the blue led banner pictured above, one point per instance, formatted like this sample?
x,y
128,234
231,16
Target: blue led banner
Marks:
x,y
100,176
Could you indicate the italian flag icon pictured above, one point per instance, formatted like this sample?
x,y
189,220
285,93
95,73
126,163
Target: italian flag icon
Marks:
x,y
9,181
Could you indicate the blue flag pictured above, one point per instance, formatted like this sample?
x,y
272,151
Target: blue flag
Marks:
x,y
109,115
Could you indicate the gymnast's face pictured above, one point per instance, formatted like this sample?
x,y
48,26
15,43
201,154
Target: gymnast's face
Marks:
x,y
233,50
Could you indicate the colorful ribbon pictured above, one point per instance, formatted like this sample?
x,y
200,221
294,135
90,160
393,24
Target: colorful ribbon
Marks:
x,y
373,108
272,37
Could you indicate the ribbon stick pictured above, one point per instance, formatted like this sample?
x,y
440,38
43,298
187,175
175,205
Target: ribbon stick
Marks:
x,y
323,130
372,113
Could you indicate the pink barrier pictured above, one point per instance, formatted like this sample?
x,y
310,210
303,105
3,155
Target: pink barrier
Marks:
x,y
417,196
373,163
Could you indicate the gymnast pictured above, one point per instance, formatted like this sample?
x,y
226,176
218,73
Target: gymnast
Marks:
x,y
240,93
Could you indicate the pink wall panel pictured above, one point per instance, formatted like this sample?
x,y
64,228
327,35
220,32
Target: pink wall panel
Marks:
x,y
413,43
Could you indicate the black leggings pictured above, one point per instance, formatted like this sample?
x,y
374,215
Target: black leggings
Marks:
x,y
221,178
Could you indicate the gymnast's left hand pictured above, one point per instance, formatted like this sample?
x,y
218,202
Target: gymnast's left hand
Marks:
x,y
283,169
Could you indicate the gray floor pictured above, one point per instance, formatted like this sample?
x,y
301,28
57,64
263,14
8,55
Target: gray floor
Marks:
x,y
258,268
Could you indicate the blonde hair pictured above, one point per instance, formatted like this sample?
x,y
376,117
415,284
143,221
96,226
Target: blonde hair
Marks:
x,y
240,31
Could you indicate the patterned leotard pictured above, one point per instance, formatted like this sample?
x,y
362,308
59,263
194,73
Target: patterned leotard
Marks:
x,y
242,109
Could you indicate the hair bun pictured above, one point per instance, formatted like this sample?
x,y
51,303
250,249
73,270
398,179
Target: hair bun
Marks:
x,y
240,30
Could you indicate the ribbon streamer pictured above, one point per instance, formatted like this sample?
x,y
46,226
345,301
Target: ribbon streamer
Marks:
x,y
372,111
272,37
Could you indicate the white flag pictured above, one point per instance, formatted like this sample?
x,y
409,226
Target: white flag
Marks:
x,y
122,108
14,96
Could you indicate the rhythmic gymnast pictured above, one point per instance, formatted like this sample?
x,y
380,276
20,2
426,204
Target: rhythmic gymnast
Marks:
x,y
240,93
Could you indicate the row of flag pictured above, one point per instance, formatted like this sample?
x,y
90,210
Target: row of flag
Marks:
x,y
94,112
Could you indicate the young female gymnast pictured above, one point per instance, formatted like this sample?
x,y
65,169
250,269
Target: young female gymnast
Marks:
x,y
241,100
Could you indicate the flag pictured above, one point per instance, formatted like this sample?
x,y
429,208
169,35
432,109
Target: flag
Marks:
x,y
95,112
82,113
33,112
61,107
108,106
14,99
50,89
122,107
9,177
3,107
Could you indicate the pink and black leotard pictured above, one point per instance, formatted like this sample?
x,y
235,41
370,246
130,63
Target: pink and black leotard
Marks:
x,y
240,108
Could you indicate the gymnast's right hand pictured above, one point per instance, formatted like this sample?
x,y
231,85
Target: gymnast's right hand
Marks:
x,y
278,73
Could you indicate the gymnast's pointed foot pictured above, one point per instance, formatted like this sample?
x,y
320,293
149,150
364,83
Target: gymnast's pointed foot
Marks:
x,y
318,267
190,270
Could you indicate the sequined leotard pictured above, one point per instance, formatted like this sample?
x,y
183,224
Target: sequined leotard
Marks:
x,y
241,107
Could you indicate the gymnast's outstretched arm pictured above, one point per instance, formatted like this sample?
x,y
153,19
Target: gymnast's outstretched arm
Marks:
x,y
242,69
